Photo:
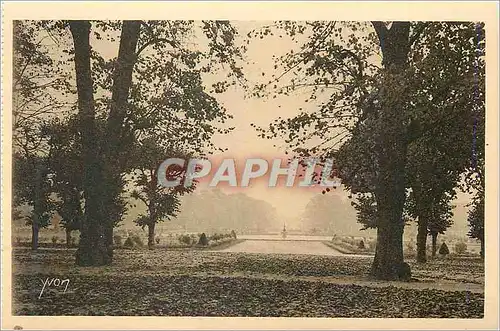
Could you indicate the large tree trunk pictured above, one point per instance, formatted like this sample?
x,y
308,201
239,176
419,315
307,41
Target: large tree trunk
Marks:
x,y
93,249
151,235
390,151
102,172
422,239
34,235
434,236
388,261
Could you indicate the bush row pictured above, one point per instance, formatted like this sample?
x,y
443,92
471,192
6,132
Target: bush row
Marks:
x,y
185,240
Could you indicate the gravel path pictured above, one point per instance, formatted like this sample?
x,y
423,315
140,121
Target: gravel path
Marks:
x,y
283,247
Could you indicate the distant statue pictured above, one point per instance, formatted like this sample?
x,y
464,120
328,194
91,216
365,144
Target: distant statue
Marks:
x,y
283,233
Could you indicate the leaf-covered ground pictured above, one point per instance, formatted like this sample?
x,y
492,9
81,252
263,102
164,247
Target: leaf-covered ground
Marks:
x,y
205,283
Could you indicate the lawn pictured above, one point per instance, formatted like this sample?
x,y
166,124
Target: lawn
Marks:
x,y
204,283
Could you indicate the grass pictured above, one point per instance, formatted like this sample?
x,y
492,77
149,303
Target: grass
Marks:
x,y
199,282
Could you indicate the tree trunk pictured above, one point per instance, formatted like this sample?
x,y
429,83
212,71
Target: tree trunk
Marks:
x,y
93,249
151,235
116,137
68,237
39,207
434,236
391,145
482,248
422,239
34,235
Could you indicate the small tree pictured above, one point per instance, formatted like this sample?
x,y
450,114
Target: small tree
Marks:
x,y
32,185
162,203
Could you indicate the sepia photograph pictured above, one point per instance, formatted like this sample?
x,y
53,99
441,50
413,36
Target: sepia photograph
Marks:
x,y
285,168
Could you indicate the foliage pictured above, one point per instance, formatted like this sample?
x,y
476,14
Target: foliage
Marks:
x,y
162,203
401,125
366,208
32,186
158,90
185,239
38,79
129,243
326,214
213,210
460,247
476,218
137,240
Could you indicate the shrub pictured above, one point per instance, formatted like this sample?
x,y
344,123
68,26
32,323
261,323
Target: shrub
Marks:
x,y
137,240
185,239
118,240
203,240
460,248
361,244
443,250
215,237
54,239
372,243
129,243
157,240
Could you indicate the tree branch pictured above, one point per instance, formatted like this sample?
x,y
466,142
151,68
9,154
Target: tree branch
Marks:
x,y
381,30
418,31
